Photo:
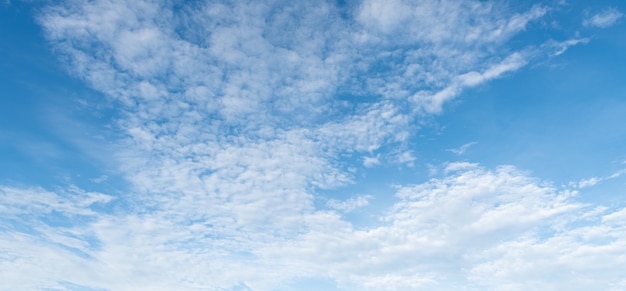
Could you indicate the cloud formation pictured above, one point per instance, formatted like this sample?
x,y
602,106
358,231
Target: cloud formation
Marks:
x,y
236,116
472,227
462,149
604,19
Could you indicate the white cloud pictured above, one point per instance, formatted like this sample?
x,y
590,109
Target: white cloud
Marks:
x,y
617,217
231,129
384,15
406,157
474,228
447,21
604,19
100,179
35,201
461,150
590,182
432,102
369,162
563,46
350,204
432,170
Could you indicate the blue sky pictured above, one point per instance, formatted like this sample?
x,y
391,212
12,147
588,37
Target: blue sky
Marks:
x,y
335,145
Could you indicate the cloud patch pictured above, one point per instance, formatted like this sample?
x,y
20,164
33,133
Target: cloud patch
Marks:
x,y
350,204
604,19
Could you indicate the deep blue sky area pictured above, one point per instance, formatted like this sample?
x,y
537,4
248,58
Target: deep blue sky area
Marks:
x,y
544,116
292,145
42,112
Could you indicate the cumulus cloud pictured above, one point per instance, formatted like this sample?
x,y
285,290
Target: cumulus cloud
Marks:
x,y
604,19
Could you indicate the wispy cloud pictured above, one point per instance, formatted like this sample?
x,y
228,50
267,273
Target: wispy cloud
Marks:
x,y
563,46
590,182
430,102
604,19
461,150
100,179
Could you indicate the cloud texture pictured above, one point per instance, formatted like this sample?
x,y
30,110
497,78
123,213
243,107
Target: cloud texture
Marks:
x,y
236,116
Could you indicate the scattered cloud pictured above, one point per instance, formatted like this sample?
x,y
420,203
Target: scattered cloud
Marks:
x,y
369,162
100,179
432,103
350,204
432,170
563,46
406,158
37,201
467,229
230,130
461,150
590,182
604,19
460,230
